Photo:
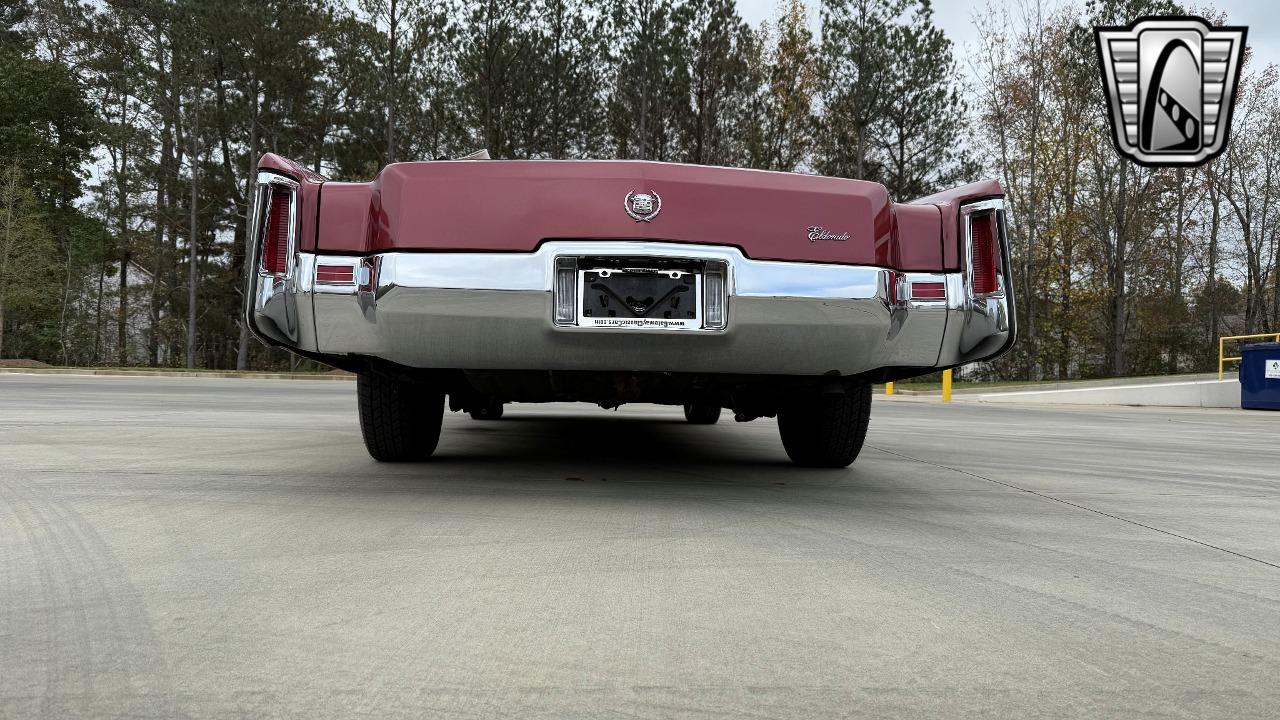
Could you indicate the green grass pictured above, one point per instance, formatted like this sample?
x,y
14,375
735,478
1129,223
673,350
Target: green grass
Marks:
x,y
960,385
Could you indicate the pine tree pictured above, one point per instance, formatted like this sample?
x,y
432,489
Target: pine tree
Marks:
x,y
920,138
495,89
857,71
719,51
650,85
27,254
567,74
47,130
783,121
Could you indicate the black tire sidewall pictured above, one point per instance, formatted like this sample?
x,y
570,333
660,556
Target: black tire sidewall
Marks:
x,y
826,429
700,414
399,419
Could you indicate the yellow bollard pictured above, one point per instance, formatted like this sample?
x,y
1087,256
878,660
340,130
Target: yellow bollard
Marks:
x,y
1221,347
888,388
946,386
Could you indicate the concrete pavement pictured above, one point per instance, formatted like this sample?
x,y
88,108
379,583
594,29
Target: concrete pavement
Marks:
x,y
174,547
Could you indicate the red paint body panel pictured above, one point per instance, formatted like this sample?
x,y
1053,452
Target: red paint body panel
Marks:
x,y
516,205
948,203
513,206
919,240
345,211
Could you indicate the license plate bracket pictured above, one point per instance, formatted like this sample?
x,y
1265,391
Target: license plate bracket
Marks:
x,y
640,296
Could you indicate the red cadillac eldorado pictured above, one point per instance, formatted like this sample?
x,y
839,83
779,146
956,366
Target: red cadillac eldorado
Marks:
x,y
771,294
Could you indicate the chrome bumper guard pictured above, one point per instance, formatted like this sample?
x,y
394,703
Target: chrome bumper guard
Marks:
x,y
478,311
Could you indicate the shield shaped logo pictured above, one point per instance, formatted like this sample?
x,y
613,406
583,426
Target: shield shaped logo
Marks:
x,y
642,206
1170,84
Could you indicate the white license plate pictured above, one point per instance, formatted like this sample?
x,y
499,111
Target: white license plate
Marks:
x,y
639,297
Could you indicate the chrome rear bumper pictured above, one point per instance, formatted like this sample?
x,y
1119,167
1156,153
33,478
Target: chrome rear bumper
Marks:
x,y
479,311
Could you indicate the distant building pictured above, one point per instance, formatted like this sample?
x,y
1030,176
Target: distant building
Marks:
x,y
100,304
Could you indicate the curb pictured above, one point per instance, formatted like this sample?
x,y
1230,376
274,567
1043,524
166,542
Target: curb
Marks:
x,y
974,389
173,374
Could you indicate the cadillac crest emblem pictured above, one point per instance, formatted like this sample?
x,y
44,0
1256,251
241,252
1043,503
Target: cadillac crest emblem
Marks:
x,y
642,206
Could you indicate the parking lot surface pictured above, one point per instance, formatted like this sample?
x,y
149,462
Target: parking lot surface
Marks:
x,y
176,547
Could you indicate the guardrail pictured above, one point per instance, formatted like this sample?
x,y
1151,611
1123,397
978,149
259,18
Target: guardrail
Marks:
x,y
1223,359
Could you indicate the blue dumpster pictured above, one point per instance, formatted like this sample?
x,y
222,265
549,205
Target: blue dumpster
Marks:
x,y
1260,376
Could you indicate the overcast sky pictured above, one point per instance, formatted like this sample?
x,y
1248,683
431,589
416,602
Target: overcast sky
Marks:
x,y
956,19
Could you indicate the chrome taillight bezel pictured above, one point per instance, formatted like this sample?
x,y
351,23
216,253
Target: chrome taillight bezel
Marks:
x,y
564,293
267,187
715,295
968,212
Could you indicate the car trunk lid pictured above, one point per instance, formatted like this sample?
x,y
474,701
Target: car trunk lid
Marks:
x,y
513,206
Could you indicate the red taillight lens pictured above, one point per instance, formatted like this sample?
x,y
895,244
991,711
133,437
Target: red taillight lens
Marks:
x,y
275,237
986,253
335,274
928,291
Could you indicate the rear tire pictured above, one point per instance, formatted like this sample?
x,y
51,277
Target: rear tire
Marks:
x,y
826,430
700,414
399,419
489,410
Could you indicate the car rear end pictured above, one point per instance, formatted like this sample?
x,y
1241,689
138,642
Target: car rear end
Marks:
x,y
626,281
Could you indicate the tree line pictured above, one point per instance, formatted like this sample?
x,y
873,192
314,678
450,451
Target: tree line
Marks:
x,y
1122,269
129,132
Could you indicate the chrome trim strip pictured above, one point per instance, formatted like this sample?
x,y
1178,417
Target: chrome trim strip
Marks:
x,y
804,280
535,271
992,204
466,271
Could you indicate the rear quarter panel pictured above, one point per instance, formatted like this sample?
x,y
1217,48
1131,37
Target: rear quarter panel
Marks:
x,y
948,203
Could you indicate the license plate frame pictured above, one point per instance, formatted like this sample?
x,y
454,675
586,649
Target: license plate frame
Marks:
x,y
658,288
